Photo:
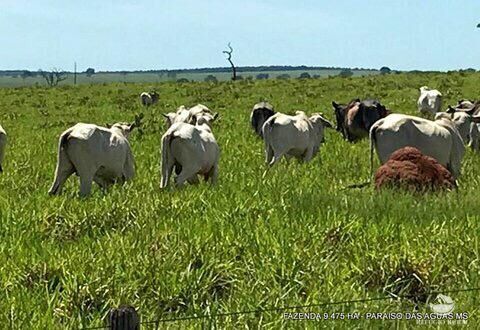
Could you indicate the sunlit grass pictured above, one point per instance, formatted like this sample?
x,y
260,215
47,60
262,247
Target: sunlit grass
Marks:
x,y
295,237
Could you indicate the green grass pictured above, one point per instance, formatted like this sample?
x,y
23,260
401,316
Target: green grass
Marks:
x,y
294,238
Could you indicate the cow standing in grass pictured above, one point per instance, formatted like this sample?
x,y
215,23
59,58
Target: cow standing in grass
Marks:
x,y
429,102
185,115
190,150
94,153
260,113
3,143
355,118
439,139
149,98
293,136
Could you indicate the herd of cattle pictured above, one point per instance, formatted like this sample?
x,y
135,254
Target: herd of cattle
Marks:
x,y
189,148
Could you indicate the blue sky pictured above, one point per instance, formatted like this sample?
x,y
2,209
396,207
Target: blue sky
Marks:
x,y
139,34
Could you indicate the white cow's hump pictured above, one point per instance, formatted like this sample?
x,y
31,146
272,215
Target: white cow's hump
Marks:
x,y
395,122
86,131
300,120
189,131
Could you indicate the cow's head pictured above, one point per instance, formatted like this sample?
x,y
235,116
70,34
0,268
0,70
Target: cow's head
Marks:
x,y
126,128
339,110
204,118
319,119
451,110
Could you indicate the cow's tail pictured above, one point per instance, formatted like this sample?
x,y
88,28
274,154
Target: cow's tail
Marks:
x,y
372,135
267,129
63,163
167,159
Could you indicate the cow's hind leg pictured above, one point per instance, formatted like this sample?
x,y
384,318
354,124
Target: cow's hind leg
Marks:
x,y
184,175
104,183
276,158
63,171
268,154
212,175
86,180
308,155
193,179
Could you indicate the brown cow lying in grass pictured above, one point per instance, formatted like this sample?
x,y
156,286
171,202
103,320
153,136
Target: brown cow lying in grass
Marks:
x,y
409,169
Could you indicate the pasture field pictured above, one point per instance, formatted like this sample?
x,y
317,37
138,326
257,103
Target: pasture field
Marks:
x,y
295,237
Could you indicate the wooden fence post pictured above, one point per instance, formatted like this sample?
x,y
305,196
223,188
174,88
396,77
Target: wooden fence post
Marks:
x,y
124,318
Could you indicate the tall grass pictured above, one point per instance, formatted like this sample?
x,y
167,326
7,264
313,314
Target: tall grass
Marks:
x,y
295,237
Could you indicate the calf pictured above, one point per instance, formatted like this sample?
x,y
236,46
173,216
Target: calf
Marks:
x,y
94,153
293,136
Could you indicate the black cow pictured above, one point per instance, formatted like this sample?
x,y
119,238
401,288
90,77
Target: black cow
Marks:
x,y
355,118
260,113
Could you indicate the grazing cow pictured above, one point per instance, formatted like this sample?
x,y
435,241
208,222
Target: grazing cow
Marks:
x,y
429,102
149,98
184,115
260,113
355,119
438,139
408,168
3,143
293,136
95,153
190,150
470,107
467,128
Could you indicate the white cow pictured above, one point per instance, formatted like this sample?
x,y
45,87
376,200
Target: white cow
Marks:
x,y
149,98
429,102
94,153
438,139
3,143
467,128
184,115
293,136
191,150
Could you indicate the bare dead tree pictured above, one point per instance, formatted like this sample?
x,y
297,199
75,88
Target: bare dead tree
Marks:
x,y
54,77
229,59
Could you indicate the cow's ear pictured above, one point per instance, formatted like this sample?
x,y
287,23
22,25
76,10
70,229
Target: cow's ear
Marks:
x,y
335,104
476,119
450,109
215,116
